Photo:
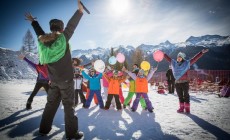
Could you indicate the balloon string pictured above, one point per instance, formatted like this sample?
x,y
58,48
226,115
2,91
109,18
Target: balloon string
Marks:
x,y
157,64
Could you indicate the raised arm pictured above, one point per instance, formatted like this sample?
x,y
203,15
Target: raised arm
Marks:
x,y
86,76
106,77
198,56
99,76
73,22
22,57
37,28
132,75
150,75
167,58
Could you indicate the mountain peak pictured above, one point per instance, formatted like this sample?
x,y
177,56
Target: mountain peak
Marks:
x,y
207,40
167,42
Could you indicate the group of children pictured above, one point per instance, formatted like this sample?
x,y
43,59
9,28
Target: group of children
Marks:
x,y
111,82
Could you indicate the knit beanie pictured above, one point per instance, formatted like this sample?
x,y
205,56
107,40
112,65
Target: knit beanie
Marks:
x,y
182,55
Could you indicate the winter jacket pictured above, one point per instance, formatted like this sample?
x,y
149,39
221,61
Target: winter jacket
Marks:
x,y
141,83
61,70
78,81
114,84
169,75
41,70
105,81
184,77
132,86
94,81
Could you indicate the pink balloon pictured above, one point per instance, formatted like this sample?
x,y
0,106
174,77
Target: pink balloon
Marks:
x,y
120,57
158,55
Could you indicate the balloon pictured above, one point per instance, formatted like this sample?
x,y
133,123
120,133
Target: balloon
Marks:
x,y
158,55
145,65
124,86
99,66
112,60
120,57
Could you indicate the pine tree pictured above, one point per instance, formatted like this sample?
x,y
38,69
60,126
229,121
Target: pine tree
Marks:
x,y
138,57
29,43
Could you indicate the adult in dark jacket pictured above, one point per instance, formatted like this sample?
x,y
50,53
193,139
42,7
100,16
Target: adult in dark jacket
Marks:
x,y
55,52
42,79
171,80
180,68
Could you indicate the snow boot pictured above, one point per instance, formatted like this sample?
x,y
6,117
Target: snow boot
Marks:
x,y
133,110
187,108
77,136
181,109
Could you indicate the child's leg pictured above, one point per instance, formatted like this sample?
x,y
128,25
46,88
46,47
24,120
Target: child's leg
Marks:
x,y
82,96
95,99
100,101
88,101
128,98
76,97
136,102
121,97
148,102
185,88
35,91
87,94
142,101
179,91
186,97
108,102
118,103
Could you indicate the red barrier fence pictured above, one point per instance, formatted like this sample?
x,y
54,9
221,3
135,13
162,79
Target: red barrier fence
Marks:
x,y
200,80
204,75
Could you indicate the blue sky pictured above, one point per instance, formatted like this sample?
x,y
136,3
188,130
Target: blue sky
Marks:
x,y
118,22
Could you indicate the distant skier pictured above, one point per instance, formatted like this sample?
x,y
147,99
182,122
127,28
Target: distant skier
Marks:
x,y
180,68
42,79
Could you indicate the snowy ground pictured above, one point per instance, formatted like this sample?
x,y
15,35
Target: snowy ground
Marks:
x,y
209,118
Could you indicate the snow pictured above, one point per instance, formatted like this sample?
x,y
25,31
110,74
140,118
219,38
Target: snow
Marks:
x,y
209,118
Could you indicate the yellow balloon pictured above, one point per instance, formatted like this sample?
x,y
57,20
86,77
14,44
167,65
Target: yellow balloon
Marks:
x,y
124,85
145,65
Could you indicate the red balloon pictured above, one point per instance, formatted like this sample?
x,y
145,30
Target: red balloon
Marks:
x,y
158,55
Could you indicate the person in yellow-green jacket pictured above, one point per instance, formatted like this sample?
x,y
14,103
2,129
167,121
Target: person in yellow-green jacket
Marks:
x,y
132,92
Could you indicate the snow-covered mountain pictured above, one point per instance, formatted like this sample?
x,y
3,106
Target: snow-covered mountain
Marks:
x,y
208,40
13,68
167,47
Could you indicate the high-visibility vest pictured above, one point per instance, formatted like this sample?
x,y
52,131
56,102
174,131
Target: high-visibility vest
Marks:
x,y
141,85
114,86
